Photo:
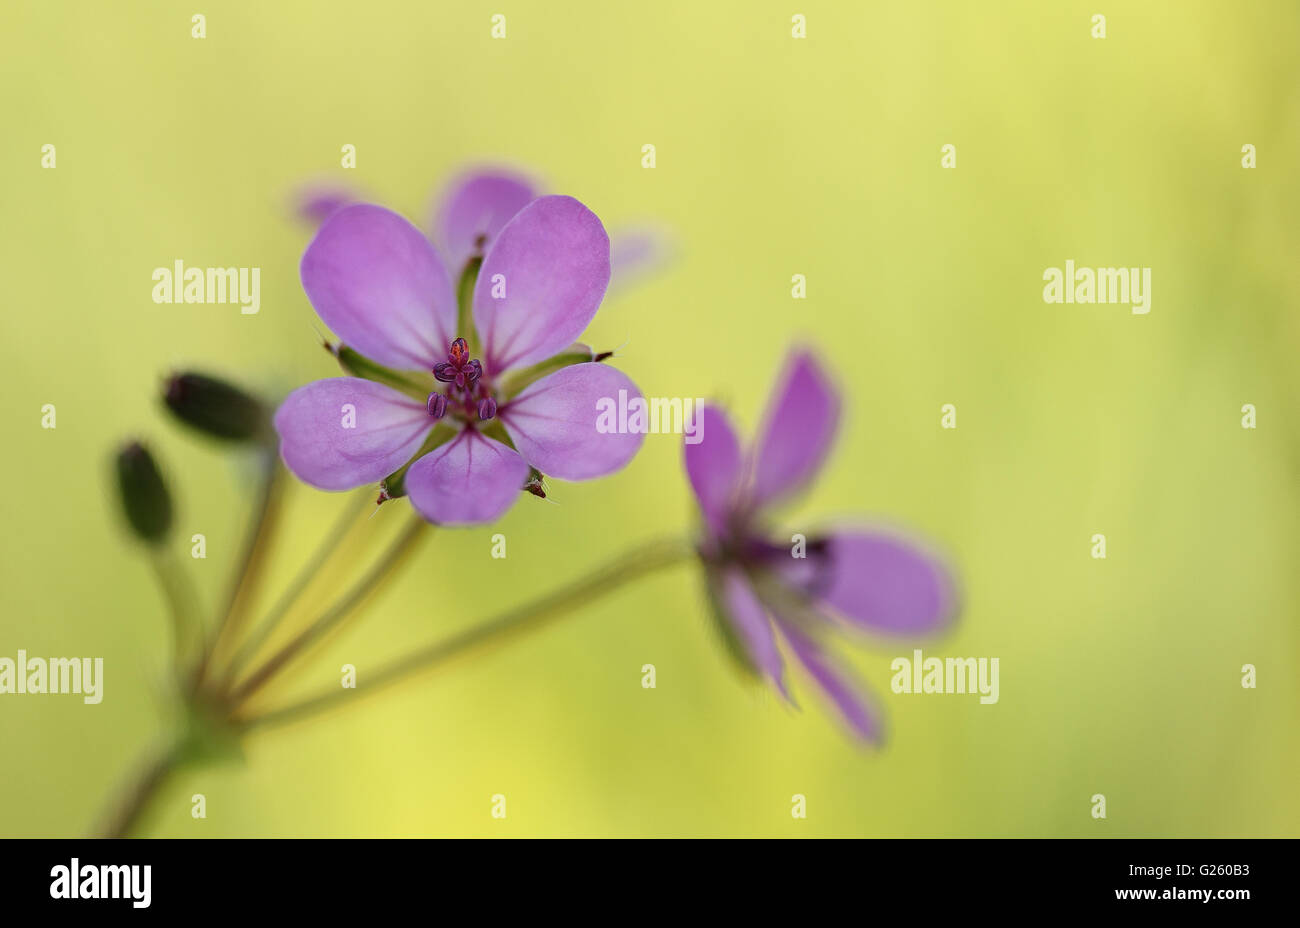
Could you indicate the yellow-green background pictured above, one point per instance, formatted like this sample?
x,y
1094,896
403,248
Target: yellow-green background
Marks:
x,y
775,157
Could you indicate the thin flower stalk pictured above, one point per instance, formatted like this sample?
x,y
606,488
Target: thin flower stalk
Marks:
x,y
605,580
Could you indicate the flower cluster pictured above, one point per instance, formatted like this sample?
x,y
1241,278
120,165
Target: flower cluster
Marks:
x,y
471,388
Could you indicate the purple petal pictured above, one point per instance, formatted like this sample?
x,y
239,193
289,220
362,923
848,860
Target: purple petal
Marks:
x,y
882,583
378,283
750,620
554,422
552,260
635,253
477,206
713,465
317,201
470,480
798,430
849,697
346,432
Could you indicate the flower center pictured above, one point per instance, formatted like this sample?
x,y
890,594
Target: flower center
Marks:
x,y
466,393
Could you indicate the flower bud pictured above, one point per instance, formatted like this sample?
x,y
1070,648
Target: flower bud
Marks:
x,y
145,499
216,408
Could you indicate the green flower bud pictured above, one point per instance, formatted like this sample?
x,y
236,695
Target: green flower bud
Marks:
x,y
145,499
216,408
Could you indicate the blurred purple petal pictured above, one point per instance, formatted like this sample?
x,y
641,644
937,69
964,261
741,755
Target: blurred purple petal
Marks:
x,y
714,467
636,252
798,430
552,261
470,480
377,282
315,202
883,583
750,620
475,209
346,432
848,696
553,422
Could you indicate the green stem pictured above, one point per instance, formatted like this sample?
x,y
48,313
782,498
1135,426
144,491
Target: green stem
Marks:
x,y
141,791
160,767
182,604
360,502
396,554
604,580
250,566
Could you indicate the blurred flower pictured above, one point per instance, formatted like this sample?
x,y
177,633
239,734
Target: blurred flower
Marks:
x,y
317,200
638,252
802,592
378,283
145,500
475,208
476,205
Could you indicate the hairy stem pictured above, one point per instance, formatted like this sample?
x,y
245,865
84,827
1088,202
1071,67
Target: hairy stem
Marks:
x,y
604,580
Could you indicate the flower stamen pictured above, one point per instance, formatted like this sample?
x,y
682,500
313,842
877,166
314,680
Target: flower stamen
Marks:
x,y
466,389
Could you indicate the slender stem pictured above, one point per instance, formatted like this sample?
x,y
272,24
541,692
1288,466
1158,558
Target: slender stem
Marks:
x,y
250,566
396,554
604,580
140,791
640,562
310,571
182,603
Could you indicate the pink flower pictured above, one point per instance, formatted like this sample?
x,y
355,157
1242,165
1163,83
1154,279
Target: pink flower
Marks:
x,y
476,205
765,590
380,285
